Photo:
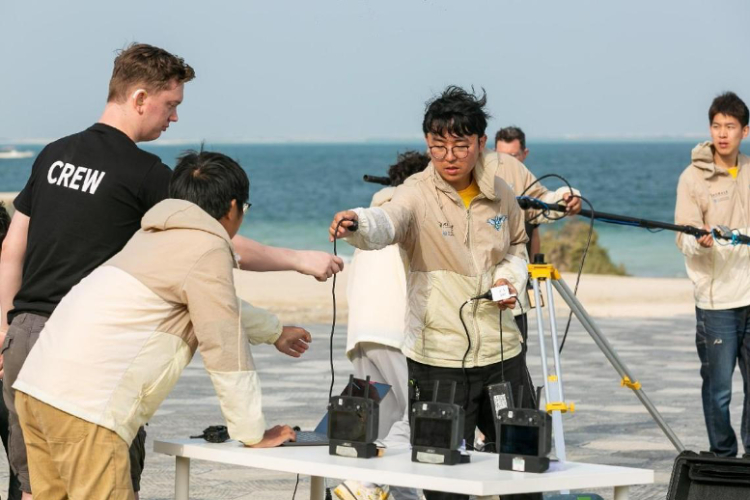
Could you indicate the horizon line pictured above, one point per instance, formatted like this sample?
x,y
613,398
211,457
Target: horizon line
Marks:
x,y
30,141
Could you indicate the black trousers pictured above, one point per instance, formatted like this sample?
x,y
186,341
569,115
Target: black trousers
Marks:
x,y
14,485
471,391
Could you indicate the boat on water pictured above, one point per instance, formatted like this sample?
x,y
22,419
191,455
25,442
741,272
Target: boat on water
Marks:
x,y
14,154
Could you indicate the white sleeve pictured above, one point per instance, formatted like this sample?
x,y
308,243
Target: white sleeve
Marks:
x,y
376,230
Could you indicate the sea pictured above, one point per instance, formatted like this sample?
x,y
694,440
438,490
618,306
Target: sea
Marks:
x,y
295,189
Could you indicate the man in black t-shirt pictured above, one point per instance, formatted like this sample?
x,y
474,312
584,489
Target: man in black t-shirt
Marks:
x,y
84,200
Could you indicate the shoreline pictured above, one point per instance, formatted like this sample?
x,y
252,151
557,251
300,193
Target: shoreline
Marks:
x,y
300,299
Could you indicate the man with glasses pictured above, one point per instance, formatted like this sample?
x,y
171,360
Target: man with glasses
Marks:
x,y
463,233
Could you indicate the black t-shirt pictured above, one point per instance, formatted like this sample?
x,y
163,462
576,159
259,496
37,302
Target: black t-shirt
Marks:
x,y
86,196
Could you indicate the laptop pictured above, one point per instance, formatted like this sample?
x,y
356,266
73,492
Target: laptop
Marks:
x,y
319,436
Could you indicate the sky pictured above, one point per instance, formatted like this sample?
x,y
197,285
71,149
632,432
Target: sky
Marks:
x,y
362,70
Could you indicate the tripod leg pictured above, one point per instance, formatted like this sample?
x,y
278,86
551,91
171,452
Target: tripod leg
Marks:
x,y
614,360
540,330
556,385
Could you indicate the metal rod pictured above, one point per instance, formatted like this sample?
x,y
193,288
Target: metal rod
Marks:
x,y
526,202
540,330
614,360
553,330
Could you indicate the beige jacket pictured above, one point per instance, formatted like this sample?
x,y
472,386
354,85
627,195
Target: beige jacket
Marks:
x,y
117,343
520,179
454,254
708,195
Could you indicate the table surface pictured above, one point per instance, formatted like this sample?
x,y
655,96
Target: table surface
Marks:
x,y
480,477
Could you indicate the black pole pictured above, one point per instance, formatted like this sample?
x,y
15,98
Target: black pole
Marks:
x,y
526,202
385,181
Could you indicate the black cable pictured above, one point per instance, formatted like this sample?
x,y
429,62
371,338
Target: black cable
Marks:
x,y
296,483
333,322
580,270
548,176
545,213
502,348
529,382
468,348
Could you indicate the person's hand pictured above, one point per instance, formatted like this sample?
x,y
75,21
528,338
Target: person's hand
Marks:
x,y
706,241
293,341
572,203
275,436
343,230
507,303
320,265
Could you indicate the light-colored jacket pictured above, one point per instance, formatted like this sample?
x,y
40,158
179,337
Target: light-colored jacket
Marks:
x,y
117,343
523,182
708,195
454,254
376,292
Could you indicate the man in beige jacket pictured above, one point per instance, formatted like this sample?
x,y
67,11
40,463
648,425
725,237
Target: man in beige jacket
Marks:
x,y
116,344
462,230
714,191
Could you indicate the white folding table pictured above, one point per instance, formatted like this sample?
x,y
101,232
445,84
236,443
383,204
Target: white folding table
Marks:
x,y
480,477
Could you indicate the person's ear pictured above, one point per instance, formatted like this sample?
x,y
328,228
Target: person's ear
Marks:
x,y
233,210
138,98
482,142
745,131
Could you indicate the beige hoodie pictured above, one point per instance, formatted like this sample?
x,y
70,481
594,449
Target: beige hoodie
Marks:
x,y
708,195
454,254
117,343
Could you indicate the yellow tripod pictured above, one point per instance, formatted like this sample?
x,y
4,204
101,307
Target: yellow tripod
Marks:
x,y
553,386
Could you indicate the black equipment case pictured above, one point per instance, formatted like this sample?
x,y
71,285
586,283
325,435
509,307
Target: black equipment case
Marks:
x,y
708,477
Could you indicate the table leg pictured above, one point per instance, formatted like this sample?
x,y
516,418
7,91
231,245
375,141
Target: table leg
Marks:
x,y
622,492
317,488
182,478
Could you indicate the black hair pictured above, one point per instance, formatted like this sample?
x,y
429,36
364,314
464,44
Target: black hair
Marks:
x,y
211,181
729,104
4,222
510,134
407,164
456,112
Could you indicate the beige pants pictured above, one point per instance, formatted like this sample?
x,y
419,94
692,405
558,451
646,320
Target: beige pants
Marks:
x,y
70,458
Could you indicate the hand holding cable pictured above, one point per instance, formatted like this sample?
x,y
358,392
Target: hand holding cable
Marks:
x,y
344,223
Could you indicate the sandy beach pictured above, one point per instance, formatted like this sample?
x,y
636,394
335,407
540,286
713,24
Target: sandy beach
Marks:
x,y
301,299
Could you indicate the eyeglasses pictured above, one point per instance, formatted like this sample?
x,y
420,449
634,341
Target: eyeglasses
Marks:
x,y
440,152
246,207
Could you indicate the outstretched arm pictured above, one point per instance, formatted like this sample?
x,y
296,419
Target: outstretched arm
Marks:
x,y
11,265
255,256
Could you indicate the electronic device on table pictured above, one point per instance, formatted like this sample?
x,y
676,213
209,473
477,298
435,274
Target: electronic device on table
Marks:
x,y
524,439
353,423
437,431
319,436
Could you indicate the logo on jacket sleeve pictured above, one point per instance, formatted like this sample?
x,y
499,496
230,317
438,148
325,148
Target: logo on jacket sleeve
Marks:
x,y
497,221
